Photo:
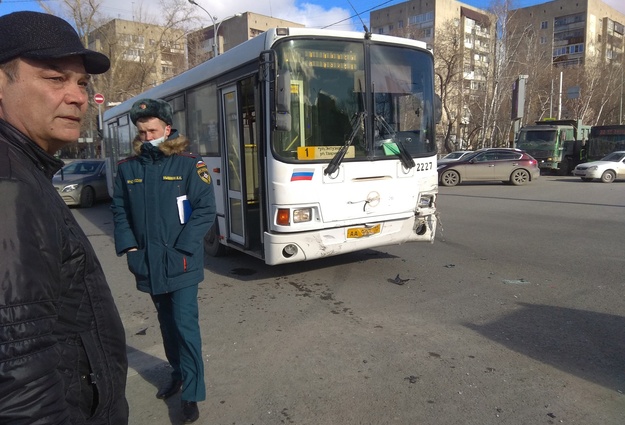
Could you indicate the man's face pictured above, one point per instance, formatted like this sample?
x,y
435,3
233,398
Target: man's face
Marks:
x,y
47,101
152,128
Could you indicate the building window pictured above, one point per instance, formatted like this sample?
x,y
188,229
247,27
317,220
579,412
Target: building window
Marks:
x,y
543,40
400,24
418,19
544,25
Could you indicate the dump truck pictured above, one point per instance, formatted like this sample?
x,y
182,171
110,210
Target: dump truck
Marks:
x,y
557,145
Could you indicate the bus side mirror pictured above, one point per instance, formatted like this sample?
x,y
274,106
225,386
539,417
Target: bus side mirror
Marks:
x,y
283,102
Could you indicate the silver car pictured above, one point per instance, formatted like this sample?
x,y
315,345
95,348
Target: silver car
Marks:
x,y
502,164
82,182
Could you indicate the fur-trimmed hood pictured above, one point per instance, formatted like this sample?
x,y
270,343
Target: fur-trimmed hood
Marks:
x,y
175,144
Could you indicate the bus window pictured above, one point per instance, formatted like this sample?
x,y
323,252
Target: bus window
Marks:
x,y
179,122
203,120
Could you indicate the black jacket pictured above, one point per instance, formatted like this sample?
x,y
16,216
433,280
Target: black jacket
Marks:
x,y
62,342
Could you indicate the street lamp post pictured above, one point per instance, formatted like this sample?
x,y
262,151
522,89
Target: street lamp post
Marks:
x,y
214,20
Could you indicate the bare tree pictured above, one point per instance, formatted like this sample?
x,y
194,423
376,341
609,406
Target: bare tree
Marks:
x,y
448,61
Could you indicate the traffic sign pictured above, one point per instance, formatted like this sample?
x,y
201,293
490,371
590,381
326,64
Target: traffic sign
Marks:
x,y
98,98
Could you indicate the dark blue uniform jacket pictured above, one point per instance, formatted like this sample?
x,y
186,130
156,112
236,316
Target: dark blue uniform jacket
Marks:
x,y
170,255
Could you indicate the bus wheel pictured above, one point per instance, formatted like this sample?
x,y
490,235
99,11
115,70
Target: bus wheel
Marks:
x,y
608,176
87,196
211,242
450,178
519,177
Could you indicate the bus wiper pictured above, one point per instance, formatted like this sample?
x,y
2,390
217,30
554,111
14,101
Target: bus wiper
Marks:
x,y
404,155
334,163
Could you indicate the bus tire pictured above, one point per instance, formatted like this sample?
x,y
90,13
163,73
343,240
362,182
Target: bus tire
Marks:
x,y
212,246
87,197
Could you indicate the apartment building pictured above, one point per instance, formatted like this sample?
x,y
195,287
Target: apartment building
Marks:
x,y
142,55
570,32
578,46
424,20
225,34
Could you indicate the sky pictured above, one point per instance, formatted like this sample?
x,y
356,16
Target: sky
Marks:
x,y
337,14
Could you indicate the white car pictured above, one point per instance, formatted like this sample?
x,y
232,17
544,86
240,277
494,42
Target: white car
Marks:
x,y
608,169
454,156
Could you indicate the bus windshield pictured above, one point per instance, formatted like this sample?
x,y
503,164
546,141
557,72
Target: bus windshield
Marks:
x,y
337,100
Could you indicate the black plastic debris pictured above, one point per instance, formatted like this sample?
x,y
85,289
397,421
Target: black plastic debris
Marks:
x,y
398,280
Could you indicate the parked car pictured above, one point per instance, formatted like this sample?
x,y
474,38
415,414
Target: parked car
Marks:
x,y
608,168
491,164
82,182
454,156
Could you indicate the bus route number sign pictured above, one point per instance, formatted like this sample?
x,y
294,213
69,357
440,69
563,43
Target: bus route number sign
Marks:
x,y
322,152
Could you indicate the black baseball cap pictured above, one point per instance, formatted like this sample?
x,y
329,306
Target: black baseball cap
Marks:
x,y
41,36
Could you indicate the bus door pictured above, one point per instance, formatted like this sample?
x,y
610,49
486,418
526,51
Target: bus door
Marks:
x,y
242,171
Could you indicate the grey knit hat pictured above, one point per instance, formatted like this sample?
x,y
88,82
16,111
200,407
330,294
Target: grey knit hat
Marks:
x,y
41,36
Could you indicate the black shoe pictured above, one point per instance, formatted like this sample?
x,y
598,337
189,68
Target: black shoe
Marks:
x,y
172,389
190,412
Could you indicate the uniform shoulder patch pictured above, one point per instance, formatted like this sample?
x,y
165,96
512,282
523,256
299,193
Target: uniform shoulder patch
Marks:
x,y
202,171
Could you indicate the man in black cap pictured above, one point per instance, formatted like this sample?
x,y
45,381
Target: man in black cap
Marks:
x,y
62,343
163,206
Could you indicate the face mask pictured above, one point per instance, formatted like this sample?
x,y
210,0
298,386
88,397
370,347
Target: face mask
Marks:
x,y
158,141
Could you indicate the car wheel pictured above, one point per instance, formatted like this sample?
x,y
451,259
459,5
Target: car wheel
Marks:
x,y
211,242
450,178
608,176
586,179
87,196
519,177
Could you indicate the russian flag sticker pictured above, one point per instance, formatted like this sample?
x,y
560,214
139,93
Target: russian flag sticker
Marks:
x,y
302,174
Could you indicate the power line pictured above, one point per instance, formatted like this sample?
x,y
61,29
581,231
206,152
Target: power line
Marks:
x,y
358,14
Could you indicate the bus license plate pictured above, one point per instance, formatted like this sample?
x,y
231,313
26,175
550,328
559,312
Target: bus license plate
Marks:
x,y
360,232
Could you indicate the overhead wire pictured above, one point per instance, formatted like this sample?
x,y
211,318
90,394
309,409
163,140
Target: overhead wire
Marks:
x,y
358,14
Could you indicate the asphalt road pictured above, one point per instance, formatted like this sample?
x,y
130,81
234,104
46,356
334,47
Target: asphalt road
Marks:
x,y
515,315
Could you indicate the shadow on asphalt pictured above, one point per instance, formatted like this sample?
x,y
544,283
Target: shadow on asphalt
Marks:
x,y
586,344
244,267
156,372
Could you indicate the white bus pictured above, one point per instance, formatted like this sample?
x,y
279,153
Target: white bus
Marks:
x,y
319,142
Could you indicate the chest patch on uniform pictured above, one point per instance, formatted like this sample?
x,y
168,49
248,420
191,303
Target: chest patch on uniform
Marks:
x,y
134,181
172,178
202,171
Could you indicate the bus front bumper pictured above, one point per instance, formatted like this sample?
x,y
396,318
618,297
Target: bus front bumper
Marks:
x,y
284,248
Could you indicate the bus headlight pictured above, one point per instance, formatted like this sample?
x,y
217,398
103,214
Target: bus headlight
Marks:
x,y
302,215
